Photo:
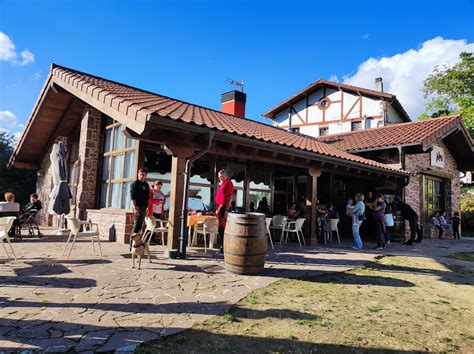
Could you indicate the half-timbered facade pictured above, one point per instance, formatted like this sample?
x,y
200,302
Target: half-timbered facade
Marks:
x,y
326,107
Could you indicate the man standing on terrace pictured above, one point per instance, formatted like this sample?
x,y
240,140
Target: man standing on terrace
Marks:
x,y
140,195
223,200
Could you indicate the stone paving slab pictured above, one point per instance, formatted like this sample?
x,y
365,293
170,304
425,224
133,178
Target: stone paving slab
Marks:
x,y
88,303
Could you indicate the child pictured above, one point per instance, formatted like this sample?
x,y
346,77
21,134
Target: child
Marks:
x,y
157,201
456,220
389,223
349,207
437,224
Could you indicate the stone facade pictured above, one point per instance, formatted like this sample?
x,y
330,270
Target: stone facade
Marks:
x,y
44,185
89,145
420,165
105,218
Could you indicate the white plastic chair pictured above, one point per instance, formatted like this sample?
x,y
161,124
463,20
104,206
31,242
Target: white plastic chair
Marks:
x,y
155,225
278,223
209,226
75,226
268,221
335,228
294,227
6,224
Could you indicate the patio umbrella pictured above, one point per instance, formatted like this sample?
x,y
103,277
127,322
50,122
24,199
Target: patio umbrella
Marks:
x,y
60,194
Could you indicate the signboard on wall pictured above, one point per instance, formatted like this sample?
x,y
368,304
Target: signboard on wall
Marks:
x,y
437,156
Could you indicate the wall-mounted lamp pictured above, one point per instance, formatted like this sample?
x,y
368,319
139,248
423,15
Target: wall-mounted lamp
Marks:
x,y
40,173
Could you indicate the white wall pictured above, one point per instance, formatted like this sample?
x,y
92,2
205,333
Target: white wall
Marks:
x,y
331,117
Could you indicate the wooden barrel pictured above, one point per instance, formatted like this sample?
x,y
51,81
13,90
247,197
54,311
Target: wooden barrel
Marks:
x,y
245,243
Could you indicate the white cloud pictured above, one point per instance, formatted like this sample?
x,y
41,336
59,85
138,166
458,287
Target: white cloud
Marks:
x,y
37,75
7,48
27,57
403,74
7,120
8,52
365,36
333,78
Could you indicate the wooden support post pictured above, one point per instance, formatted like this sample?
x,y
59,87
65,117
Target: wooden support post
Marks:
x,y
314,173
178,165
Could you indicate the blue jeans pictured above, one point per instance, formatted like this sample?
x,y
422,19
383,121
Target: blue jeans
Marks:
x,y
356,234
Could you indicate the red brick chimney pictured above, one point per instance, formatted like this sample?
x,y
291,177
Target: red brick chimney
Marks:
x,y
233,102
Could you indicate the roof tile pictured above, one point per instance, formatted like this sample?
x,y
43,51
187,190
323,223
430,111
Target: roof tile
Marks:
x,y
138,103
421,132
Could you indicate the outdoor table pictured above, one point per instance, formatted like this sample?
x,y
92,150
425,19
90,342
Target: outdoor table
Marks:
x,y
193,220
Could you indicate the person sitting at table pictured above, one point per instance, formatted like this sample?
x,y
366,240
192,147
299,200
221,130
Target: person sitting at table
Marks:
x,y
252,207
332,212
9,205
263,206
292,212
34,205
10,208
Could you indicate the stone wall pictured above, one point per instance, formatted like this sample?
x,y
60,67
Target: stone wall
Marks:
x,y
89,145
105,218
419,165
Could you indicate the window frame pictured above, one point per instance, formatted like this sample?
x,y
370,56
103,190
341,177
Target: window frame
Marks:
x,y
111,154
430,195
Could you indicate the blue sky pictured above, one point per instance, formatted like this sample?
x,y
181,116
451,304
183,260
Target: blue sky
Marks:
x,y
187,49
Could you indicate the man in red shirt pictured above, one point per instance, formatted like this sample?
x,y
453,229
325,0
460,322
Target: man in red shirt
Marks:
x,y
223,200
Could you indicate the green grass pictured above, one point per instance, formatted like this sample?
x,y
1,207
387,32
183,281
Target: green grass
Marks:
x,y
463,256
393,304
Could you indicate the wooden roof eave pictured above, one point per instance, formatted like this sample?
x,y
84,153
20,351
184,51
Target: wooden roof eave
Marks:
x,y
11,162
229,137
105,107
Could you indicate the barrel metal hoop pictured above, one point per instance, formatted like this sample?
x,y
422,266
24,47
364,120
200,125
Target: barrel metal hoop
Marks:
x,y
241,236
245,266
245,254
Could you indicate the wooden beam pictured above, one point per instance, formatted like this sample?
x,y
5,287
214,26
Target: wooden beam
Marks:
x,y
72,105
26,165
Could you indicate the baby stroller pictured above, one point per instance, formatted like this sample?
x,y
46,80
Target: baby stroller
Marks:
x,y
28,221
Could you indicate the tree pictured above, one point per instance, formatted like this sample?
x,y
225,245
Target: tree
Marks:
x,y
21,182
451,91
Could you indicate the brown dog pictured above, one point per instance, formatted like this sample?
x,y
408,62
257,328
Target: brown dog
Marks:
x,y
139,249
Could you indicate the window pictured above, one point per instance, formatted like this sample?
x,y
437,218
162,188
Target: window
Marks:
x,y
295,130
369,122
260,177
324,103
323,131
356,126
433,196
119,166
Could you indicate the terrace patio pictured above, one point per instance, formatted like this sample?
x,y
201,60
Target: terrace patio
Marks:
x,y
90,303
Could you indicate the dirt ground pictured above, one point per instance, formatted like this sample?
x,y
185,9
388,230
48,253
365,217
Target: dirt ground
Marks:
x,y
396,303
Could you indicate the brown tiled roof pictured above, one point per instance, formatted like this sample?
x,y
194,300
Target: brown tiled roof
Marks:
x,y
134,107
344,87
423,133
